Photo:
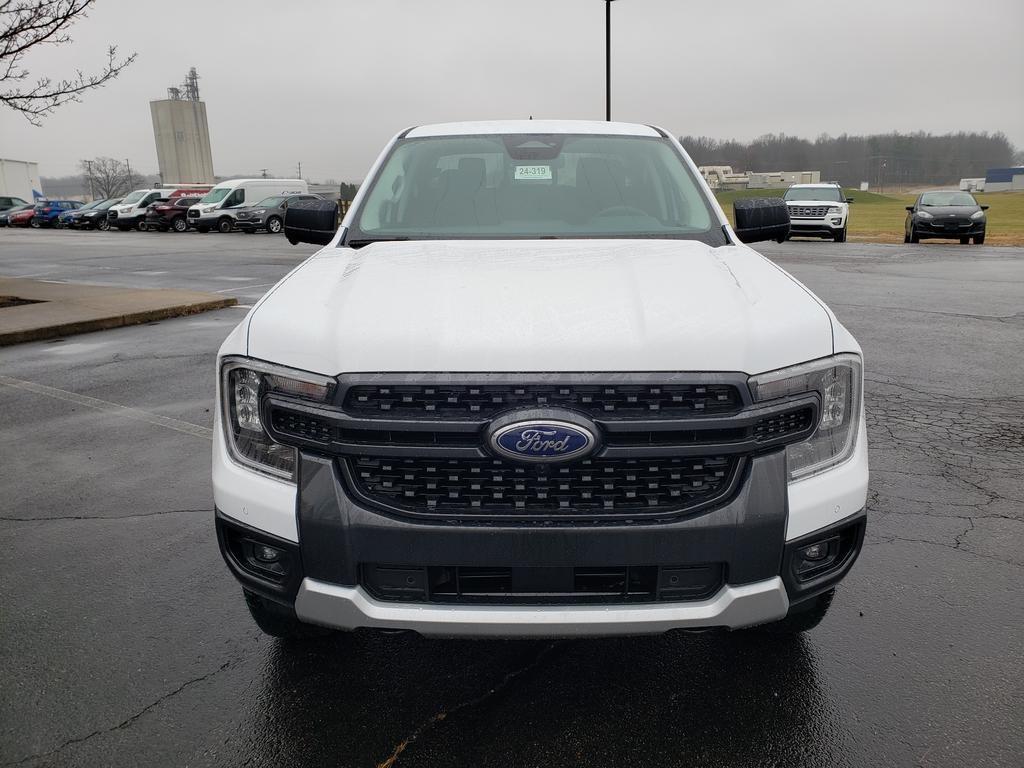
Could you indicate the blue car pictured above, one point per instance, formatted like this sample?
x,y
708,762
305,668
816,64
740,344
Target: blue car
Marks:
x,y
46,212
69,218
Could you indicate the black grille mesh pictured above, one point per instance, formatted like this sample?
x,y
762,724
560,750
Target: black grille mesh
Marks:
x,y
590,488
604,401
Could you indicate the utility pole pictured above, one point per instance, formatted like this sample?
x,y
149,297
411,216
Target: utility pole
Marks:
x,y
88,165
300,169
128,165
263,172
608,60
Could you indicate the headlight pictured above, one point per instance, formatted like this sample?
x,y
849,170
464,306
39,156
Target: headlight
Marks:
x,y
924,215
837,381
834,209
259,212
978,215
243,384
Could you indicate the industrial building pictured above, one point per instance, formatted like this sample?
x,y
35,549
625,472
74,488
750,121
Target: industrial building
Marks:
x,y
1004,179
723,177
182,135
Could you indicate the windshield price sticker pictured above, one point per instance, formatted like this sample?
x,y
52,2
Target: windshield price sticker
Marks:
x,y
542,172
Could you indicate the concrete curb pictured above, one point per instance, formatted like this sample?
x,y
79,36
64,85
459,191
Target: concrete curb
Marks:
x,y
65,309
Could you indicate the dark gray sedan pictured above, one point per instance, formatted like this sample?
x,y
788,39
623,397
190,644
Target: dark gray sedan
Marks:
x,y
952,215
268,213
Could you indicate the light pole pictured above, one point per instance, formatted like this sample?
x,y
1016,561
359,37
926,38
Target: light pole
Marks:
x,y
608,59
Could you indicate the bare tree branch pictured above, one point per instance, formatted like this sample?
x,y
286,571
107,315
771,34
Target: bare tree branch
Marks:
x,y
109,177
27,24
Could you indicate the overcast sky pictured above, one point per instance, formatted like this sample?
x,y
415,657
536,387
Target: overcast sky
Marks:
x,y
327,83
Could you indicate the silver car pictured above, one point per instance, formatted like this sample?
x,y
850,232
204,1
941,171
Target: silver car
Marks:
x,y
268,213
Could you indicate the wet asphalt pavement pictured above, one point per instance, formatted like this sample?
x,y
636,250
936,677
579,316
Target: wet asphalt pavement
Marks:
x,y
124,641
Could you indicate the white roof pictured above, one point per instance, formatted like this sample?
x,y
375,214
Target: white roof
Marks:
x,y
533,126
814,186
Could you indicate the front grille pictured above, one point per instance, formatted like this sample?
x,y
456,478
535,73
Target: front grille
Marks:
x,y
783,424
808,211
465,401
541,585
193,214
600,488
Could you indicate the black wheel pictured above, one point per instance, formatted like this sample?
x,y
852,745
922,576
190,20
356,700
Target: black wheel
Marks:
x,y
913,236
806,618
179,224
204,230
103,225
979,239
274,225
278,621
840,236
35,223
906,236
292,240
224,224
964,240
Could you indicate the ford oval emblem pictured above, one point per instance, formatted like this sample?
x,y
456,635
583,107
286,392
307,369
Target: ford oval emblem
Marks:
x,y
542,440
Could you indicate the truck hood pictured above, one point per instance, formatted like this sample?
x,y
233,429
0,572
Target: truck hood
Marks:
x,y
559,305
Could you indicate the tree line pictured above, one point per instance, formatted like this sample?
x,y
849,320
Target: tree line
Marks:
x,y
881,159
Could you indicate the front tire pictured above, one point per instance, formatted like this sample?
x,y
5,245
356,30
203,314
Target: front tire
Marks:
x,y
914,238
805,619
979,239
103,225
840,236
279,621
224,225
35,223
179,224
274,225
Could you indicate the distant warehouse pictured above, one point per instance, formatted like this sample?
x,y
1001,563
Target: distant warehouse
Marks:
x,y
1004,179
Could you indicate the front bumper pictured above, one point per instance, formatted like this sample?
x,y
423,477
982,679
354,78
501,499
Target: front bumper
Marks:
x,y
940,228
826,226
326,582
342,607
253,223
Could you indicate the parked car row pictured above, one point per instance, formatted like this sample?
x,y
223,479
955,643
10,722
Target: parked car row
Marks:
x,y
248,205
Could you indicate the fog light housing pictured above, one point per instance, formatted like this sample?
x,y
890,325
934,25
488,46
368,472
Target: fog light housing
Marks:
x,y
814,552
266,553
814,558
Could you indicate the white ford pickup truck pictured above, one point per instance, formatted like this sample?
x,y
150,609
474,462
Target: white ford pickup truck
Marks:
x,y
536,384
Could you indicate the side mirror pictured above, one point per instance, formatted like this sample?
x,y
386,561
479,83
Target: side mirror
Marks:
x,y
910,208
983,207
850,200
761,218
311,221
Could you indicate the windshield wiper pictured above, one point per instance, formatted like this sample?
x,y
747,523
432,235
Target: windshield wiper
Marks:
x,y
359,243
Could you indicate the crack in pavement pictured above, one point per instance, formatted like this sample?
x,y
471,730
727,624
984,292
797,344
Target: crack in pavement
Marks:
x,y
6,518
439,717
128,722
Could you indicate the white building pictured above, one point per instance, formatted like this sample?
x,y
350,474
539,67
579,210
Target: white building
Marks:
x,y
20,178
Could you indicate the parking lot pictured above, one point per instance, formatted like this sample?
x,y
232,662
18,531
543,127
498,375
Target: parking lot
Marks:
x,y
124,641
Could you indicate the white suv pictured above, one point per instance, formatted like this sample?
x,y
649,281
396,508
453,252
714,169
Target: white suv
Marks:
x,y
818,210
536,385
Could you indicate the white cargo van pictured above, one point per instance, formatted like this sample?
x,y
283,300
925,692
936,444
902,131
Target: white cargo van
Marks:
x,y
216,209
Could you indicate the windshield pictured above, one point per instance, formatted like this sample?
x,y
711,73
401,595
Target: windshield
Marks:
x,y
216,194
529,186
90,206
825,194
271,202
948,198
134,197
108,203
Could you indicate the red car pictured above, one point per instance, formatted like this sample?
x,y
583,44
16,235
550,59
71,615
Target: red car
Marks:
x,y
169,213
21,218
